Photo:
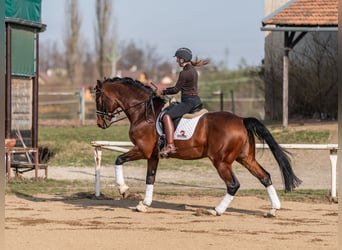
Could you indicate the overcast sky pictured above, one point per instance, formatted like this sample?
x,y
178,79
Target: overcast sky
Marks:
x,y
219,29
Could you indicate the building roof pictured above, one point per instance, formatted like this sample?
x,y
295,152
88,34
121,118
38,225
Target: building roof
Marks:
x,y
25,13
305,13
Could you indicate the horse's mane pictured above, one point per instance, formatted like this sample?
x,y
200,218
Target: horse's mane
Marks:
x,y
136,84
132,82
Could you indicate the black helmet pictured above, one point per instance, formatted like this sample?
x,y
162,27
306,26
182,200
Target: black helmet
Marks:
x,y
184,53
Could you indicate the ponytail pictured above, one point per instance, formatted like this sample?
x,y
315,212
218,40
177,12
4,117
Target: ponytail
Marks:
x,y
200,62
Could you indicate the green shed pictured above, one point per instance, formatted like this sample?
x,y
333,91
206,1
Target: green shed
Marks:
x,y
23,25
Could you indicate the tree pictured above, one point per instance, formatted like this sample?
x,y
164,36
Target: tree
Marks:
x,y
103,41
131,56
151,60
50,56
143,58
314,77
73,53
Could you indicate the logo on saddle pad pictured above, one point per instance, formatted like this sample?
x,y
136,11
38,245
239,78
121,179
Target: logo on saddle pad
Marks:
x,y
186,126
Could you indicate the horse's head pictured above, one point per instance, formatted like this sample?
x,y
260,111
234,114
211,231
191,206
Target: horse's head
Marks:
x,y
116,95
105,107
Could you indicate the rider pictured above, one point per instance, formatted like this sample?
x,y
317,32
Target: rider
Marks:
x,y
187,83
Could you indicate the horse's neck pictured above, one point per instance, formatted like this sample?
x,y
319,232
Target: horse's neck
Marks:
x,y
143,110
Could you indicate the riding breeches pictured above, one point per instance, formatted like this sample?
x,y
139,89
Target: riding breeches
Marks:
x,y
186,105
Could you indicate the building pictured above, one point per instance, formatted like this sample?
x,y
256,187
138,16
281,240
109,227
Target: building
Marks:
x,y
300,51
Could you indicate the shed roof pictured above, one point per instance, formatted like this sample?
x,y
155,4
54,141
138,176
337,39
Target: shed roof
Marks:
x,y
24,13
319,14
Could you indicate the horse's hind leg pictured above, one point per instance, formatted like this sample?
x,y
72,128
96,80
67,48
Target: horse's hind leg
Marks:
x,y
265,178
232,183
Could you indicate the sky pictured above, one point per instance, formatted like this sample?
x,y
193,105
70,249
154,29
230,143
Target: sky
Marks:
x,y
225,31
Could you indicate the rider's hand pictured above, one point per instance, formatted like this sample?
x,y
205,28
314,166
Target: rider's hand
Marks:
x,y
159,92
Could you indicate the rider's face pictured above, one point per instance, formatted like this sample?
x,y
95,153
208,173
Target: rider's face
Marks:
x,y
180,61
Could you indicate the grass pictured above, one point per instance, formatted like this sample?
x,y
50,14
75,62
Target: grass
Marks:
x,y
85,189
72,145
311,137
30,187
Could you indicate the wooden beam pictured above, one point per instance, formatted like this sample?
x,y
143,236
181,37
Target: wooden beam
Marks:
x,y
2,124
289,42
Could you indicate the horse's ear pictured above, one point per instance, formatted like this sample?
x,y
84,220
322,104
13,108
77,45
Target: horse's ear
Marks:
x,y
98,85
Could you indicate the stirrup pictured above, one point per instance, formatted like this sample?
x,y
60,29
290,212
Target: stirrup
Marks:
x,y
168,149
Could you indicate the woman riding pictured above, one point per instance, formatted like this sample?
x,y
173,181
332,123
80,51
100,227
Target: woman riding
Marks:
x,y
187,83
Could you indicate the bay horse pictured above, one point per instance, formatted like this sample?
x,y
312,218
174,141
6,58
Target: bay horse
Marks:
x,y
223,137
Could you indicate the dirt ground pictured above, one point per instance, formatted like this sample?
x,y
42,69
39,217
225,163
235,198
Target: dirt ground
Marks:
x,y
174,222
177,221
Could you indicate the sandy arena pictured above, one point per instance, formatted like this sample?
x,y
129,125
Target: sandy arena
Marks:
x,y
176,221
48,222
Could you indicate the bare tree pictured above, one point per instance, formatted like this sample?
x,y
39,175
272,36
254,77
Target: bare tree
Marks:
x,y
73,55
143,58
132,56
315,76
89,64
151,58
103,41
50,56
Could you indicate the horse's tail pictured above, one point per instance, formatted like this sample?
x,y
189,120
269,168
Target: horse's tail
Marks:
x,y
255,127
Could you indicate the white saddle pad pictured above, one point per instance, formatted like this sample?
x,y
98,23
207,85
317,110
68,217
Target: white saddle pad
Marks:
x,y
186,128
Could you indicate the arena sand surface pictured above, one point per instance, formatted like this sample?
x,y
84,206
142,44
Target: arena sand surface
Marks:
x,y
176,221
173,222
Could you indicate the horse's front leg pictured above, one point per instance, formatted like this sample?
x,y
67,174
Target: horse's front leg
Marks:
x,y
152,165
133,154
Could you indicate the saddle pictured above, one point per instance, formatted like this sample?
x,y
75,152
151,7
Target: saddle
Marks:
x,y
184,126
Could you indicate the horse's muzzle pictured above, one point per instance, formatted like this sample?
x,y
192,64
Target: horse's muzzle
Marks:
x,y
102,124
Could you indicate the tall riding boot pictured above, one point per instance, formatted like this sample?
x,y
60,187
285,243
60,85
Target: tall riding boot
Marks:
x,y
170,148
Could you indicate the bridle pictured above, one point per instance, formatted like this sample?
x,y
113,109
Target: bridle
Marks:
x,y
104,111
119,110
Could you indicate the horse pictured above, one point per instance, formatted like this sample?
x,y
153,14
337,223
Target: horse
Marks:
x,y
221,136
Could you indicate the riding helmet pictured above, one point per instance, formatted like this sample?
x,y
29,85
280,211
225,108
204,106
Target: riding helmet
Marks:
x,y
184,53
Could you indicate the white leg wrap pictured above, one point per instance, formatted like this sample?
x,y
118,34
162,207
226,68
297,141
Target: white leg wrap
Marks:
x,y
272,194
221,208
119,175
148,194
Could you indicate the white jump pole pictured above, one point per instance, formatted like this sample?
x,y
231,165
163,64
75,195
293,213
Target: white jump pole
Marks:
x,y
333,160
110,145
97,158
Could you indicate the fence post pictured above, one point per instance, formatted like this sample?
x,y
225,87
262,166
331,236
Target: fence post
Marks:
x,y
82,106
97,158
333,159
233,102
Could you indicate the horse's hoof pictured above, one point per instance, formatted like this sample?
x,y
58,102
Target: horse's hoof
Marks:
x,y
163,155
212,212
271,214
123,189
141,207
